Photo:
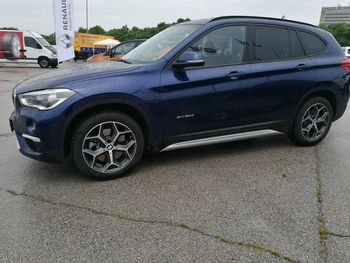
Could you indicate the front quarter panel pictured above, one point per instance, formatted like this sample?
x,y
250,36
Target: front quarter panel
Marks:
x,y
137,89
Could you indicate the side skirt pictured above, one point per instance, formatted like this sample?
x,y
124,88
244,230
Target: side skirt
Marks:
x,y
220,139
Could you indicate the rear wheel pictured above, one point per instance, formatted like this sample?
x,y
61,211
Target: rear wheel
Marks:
x,y
107,145
44,62
312,123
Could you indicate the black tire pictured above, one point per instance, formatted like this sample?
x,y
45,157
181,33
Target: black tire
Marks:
x,y
298,132
89,124
44,62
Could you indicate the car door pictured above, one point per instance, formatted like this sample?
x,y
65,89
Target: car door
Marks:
x,y
205,100
280,74
32,48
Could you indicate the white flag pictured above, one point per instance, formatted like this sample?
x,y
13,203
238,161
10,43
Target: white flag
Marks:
x,y
64,28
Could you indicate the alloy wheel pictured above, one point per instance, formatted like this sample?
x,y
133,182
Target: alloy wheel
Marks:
x,y
315,122
109,147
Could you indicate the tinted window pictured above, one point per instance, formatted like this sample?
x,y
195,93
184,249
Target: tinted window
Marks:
x,y
296,48
312,43
124,48
31,42
276,44
224,46
137,44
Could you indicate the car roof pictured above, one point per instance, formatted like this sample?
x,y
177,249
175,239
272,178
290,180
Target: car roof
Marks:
x,y
247,19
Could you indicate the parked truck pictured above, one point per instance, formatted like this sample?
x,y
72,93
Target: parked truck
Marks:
x,y
18,46
83,45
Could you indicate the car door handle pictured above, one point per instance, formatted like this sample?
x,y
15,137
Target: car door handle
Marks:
x,y
236,75
302,67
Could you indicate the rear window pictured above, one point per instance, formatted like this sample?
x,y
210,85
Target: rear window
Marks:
x,y
277,44
312,43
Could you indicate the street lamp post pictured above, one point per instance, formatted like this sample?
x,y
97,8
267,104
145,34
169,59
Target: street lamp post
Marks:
x,y
87,16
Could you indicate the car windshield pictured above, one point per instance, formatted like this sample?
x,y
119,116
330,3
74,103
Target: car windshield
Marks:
x,y
43,42
159,45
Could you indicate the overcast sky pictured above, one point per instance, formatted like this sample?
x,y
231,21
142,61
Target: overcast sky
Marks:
x,y
37,15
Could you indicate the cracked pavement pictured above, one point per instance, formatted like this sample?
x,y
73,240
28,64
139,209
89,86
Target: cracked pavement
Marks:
x,y
261,200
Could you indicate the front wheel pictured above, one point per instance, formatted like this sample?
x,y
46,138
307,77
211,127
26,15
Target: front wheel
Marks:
x,y
44,62
312,123
107,145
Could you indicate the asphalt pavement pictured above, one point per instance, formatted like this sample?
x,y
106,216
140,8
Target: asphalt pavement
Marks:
x,y
260,200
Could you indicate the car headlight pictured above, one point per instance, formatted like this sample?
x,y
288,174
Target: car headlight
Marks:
x,y
45,99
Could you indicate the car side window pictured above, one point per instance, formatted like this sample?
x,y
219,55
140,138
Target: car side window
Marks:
x,y
312,43
296,47
137,44
223,46
31,42
124,48
272,43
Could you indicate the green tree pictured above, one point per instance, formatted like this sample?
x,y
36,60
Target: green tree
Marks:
x,y
50,38
125,33
82,30
98,30
341,32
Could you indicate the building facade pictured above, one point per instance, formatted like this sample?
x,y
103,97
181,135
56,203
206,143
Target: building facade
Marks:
x,y
335,15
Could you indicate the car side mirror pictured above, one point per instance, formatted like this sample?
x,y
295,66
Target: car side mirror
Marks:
x,y
189,59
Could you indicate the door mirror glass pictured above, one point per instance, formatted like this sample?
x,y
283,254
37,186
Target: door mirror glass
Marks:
x,y
190,59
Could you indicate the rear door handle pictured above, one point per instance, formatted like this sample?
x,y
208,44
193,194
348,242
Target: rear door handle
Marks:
x,y
236,75
302,67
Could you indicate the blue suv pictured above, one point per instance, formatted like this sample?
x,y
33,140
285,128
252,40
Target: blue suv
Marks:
x,y
195,83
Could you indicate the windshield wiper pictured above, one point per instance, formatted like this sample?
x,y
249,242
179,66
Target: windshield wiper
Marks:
x,y
124,61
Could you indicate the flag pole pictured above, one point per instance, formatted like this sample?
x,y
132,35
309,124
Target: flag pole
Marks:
x,y
87,16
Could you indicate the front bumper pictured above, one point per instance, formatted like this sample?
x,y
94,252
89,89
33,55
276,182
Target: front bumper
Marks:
x,y
39,133
29,145
53,61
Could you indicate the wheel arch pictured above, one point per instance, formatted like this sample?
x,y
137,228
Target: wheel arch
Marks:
x,y
131,109
42,57
326,92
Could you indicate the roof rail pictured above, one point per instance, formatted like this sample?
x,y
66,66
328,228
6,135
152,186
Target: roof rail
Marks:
x,y
261,17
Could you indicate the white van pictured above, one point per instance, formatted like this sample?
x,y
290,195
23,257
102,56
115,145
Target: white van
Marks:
x,y
26,47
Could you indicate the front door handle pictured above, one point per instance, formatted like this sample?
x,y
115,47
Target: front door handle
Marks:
x,y
236,75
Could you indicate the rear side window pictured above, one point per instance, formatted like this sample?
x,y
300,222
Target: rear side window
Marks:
x,y
296,48
276,44
312,43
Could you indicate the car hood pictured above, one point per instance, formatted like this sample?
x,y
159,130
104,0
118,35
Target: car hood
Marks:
x,y
71,72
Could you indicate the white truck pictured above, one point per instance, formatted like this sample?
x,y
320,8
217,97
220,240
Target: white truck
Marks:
x,y
18,46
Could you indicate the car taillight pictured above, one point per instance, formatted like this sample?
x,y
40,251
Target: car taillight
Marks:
x,y
345,64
